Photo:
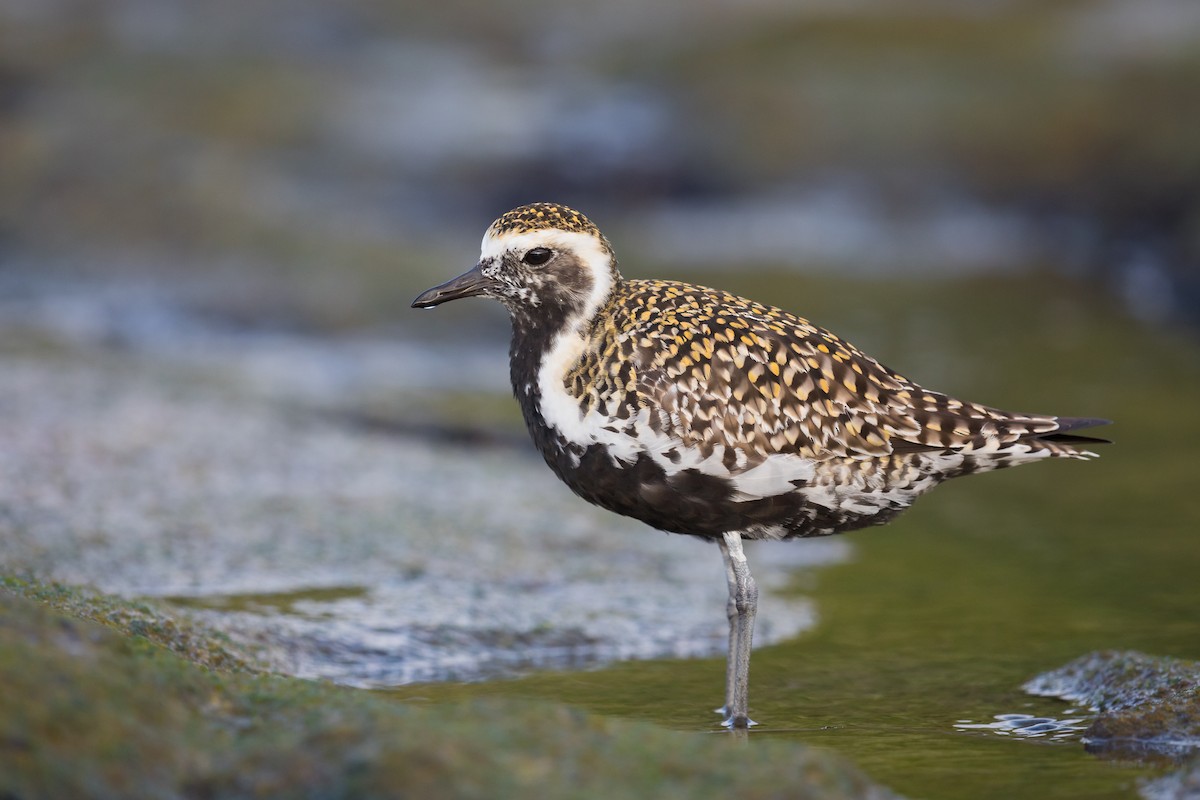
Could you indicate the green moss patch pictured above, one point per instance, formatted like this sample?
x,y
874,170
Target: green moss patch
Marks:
x,y
88,710
196,643
1145,703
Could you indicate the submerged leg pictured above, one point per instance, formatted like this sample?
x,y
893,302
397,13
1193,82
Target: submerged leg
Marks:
x,y
743,602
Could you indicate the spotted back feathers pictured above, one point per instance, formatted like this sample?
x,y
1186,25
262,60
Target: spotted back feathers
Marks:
x,y
718,369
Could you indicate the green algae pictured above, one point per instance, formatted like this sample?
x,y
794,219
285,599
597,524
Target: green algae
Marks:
x,y
88,711
268,602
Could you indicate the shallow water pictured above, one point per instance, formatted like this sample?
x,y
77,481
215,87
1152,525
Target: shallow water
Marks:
x,y
901,659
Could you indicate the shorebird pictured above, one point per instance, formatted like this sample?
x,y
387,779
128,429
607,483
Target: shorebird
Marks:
x,y
703,413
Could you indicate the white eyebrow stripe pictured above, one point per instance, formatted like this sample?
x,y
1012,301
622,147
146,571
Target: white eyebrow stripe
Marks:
x,y
587,248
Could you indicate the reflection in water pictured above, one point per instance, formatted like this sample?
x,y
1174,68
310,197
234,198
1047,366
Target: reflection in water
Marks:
x,y
1029,726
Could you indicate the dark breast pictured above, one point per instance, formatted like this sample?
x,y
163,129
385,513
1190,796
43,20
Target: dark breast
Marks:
x,y
692,502
685,502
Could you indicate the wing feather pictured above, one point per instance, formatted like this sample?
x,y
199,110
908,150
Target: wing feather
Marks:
x,y
757,379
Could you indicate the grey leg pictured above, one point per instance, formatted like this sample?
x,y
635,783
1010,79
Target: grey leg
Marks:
x,y
743,598
731,614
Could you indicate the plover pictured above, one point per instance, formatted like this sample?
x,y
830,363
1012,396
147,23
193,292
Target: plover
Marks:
x,y
700,412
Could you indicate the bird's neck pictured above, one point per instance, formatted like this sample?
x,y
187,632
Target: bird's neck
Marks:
x,y
546,345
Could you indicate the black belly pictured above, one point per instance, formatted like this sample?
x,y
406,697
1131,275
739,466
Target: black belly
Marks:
x,y
692,502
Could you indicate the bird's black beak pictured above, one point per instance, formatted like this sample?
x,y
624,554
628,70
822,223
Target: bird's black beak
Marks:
x,y
470,283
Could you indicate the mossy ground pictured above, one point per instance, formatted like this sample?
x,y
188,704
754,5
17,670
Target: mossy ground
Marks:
x,y
101,711
202,646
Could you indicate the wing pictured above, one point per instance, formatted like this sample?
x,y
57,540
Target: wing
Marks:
x,y
756,379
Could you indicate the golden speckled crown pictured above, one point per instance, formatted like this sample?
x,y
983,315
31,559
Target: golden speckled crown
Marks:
x,y
537,216
545,216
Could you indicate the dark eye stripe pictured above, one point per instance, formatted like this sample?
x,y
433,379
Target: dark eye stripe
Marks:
x,y
537,256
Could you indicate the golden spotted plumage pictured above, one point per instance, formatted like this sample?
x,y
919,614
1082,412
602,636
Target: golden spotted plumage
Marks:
x,y
725,370
545,216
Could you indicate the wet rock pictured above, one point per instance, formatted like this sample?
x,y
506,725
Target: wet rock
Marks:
x,y
1147,705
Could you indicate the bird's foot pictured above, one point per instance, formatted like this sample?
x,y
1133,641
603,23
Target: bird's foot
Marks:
x,y
729,722
738,722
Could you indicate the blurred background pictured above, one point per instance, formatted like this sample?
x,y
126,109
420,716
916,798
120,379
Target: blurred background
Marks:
x,y
214,394
313,164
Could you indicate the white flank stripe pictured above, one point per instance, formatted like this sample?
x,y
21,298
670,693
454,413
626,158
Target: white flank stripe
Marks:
x,y
773,476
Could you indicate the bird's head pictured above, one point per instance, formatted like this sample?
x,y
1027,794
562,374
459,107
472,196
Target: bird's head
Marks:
x,y
542,260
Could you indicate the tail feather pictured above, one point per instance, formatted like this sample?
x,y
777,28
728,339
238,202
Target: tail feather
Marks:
x,y
1065,424
1070,438
1079,423
1062,444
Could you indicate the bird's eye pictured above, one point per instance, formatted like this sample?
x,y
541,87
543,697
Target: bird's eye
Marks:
x,y
537,256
